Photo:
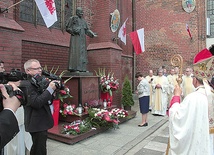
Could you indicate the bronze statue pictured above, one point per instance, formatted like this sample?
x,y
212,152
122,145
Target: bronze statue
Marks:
x,y
78,28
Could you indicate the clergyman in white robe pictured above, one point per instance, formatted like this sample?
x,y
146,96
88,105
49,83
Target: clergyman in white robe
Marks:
x,y
189,125
160,88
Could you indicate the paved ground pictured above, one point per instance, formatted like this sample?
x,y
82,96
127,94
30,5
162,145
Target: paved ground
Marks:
x,y
129,139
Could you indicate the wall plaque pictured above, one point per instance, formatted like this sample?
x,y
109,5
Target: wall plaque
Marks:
x,y
115,20
188,5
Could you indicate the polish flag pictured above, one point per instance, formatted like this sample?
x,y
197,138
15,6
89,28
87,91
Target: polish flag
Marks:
x,y
122,32
188,30
137,38
47,9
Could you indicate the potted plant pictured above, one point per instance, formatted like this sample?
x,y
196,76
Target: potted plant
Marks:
x,y
127,97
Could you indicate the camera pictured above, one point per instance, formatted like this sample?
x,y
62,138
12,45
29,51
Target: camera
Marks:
x,y
41,82
52,77
14,75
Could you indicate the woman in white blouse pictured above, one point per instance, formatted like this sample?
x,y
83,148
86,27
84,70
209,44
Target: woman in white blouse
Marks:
x,y
143,91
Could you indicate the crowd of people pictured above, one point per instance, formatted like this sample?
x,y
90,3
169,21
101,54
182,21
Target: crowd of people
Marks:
x,y
24,128
190,104
161,87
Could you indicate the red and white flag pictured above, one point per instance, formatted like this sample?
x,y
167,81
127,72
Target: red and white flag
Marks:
x,y
137,38
188,30
47,9
122,32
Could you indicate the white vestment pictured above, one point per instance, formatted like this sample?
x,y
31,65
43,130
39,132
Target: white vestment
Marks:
x,y
22,141
189,126
151,100
172,82
187,86
160,95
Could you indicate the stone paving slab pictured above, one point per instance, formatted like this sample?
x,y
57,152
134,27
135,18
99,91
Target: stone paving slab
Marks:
x,y
157,143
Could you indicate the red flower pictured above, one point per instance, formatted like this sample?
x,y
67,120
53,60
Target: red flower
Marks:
x,y
70,113
65,112
65,105
63,92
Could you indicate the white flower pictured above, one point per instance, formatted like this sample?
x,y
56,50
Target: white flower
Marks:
x,y
108,87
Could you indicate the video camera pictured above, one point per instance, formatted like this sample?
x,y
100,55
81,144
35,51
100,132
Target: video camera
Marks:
x,y
52,77
14,75
42,82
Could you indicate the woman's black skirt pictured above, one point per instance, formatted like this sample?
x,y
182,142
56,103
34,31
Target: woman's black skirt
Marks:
x,y
144,104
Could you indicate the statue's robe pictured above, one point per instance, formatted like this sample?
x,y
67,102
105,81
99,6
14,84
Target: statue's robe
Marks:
x,y
78,28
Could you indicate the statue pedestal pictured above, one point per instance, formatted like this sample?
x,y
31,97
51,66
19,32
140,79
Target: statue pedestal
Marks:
x,y
83,88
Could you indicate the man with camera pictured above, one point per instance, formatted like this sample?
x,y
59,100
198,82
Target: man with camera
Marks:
x,y
2,66
38,116
8,122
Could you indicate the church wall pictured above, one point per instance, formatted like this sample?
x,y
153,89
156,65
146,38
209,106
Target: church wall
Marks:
x,y
165,35
165,32
51,55
10,48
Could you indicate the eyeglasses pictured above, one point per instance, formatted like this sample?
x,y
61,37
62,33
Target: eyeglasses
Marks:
x,y
39,68
192,76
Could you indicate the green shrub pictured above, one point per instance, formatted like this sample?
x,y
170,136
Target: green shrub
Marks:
x,y
127,97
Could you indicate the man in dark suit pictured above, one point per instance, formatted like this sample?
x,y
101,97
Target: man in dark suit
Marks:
x,y
8,123
38,116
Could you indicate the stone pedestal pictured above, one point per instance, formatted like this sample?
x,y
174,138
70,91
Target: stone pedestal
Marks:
x,y
82,87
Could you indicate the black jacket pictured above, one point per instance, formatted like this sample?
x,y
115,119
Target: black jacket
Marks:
x,y
37,111
8,127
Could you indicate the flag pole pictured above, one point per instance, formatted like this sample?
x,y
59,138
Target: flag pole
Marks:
x,y
6,9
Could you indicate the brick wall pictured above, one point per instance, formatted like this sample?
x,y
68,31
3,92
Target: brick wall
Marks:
x,y
10,48
47,54
166,35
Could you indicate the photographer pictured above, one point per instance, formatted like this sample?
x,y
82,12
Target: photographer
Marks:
x,y
2,66
37,112
8,122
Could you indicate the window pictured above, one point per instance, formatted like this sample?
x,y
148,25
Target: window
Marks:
x,y
29,12
210,14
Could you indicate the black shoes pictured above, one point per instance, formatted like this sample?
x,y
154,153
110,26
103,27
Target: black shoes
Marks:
x,y
143,125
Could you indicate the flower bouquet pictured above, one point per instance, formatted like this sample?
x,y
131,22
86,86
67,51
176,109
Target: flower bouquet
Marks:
x,y
119,113
98,118
103,118
67,109
76,127
108,82
62,93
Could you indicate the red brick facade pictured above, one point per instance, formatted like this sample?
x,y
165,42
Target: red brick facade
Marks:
x,y
165,32
165,35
